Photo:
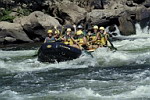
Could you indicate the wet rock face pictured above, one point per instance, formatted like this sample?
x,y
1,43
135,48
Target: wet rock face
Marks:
x,y
72,13
36,24
12,32
139,1
147,4
126,25
142,13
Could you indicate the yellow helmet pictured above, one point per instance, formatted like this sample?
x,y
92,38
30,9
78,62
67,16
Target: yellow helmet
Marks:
x,y
95,27
68,29
50,31
102,28
79,32
57,32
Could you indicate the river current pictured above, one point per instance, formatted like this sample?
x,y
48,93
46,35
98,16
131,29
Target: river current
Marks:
x,y
108,75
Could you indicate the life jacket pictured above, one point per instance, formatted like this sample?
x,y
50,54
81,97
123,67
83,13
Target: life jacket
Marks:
x,y
68,41
48,39
103,40
79,39
91,37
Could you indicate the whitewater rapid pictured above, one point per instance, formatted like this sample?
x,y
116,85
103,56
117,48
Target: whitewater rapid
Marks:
x,y
129,53
108,75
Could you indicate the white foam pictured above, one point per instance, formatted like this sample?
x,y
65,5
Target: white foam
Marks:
x,y
10,95
140,31
84,93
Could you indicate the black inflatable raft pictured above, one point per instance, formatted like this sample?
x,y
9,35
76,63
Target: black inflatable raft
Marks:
x,y
56,51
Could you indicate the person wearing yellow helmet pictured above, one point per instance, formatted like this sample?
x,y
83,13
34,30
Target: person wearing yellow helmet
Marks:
x,y
92,37
80,37
102,28
68,38
50,37
103,37
79,30
50,31
95,29
57,36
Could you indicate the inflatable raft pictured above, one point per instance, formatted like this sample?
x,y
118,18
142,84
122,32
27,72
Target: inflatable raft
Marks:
x,y
56,51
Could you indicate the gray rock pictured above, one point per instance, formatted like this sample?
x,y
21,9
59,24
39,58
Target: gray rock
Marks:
x,y
1,40
147,4
10,39
36,23
126,27
142,13
13,14
73,12
13,30
139,1
130,3
102,16
76,11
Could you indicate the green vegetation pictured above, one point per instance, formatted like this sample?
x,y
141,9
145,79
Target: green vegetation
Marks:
x,y
6,16
23,12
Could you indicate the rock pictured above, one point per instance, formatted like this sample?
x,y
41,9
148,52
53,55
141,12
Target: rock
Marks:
x,y
112,28
147,4
37,40
13,31
71,12
102,12
114,4
13,14
139,1
97,4
126,27
36,23
103,16
130,3
10,39
142,13
1,40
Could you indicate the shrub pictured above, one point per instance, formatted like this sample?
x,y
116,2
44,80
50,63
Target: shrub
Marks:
x,y
6,17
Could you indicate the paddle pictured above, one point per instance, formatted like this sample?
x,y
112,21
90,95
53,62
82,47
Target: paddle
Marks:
x,y
111,45
88,53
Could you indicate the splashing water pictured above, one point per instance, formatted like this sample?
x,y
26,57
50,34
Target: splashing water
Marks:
x,y
120,75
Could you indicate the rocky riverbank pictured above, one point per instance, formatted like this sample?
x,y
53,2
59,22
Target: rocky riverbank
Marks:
x,y
26,21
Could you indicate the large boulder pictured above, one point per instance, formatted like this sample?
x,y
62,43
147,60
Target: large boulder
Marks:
x,y
147,3
114,4
126,26
142,13
36,23
12,32
103,16
139,1
71,12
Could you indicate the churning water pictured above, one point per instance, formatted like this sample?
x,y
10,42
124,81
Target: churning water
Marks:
x,y
120,75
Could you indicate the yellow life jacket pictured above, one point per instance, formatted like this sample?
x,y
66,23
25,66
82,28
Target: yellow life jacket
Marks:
x,y
98,42
103,40
68,41
79,39
91,38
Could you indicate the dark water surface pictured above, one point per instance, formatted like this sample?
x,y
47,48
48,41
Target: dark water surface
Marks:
x,y
121,75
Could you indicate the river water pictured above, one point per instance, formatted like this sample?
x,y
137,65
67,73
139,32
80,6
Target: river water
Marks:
x,y
120,75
